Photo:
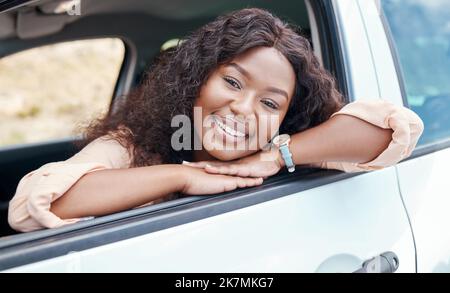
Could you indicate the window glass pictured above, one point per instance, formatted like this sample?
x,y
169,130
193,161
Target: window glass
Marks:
x,y
48,92
421,33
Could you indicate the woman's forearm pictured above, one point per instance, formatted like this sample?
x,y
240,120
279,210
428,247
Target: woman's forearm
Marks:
x,y
108,191
341,138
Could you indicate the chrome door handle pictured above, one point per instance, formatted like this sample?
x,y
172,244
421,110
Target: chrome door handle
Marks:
x,y
386,262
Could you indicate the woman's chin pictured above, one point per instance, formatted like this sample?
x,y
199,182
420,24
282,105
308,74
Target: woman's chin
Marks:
x,y
224,155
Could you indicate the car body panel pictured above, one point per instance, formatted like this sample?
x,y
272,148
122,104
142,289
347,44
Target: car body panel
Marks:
x,y
425,185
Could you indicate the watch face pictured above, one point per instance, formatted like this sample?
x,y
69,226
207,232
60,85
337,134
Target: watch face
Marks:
x,y
281,139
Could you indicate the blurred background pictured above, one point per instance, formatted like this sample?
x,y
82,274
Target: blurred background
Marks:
x,y
49,92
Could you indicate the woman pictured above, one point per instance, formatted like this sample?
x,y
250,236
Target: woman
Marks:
x,y
232,75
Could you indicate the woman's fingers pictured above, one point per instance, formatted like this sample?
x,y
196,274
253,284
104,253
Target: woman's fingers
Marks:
x,y
227,168
241,170
240,182
256,181
201,182
195,164
224,169
230,169
245,171
201,164
248,182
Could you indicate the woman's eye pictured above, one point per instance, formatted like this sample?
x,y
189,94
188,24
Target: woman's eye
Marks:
x,y
232,82
270,104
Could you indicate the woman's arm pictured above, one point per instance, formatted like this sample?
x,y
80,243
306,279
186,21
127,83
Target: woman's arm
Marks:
x,y
98,180
341,138
112,190
108,191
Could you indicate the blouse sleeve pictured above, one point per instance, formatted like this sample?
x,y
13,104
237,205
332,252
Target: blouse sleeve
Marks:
x,y
30,207
405,124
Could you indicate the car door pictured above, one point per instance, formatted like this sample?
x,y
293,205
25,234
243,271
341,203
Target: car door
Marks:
x,y
289,227
421,52
309,221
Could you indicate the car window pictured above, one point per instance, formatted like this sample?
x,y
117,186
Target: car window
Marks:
x,y
420,30
49,92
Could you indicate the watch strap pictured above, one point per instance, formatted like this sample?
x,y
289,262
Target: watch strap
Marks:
x,y
287,157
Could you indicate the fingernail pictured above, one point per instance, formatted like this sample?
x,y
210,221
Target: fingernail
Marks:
x,y
185,162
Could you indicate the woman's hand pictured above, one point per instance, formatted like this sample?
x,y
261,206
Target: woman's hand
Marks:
x,y
261,164
198,182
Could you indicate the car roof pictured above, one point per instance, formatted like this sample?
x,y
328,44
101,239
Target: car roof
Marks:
x,y
41,13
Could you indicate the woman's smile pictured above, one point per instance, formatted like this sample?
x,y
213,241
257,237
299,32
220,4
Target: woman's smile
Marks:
x,y
231,127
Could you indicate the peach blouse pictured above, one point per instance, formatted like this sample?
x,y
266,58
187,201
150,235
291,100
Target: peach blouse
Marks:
x,y
30,207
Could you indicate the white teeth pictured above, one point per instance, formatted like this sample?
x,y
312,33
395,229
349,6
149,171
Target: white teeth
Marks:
x,y
228,129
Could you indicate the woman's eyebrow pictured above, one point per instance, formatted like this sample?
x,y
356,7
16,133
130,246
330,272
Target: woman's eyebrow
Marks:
x,y
240,69
277,91
247,74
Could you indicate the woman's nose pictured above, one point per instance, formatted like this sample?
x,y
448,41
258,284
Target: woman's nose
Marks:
x,y
243,105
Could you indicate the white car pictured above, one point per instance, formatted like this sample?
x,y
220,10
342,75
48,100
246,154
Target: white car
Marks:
x,y
309,221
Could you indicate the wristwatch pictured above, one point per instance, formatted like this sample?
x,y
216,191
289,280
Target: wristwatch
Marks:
x,y
282,143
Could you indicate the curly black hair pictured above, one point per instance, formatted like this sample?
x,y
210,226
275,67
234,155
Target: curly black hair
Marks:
x,y
142,121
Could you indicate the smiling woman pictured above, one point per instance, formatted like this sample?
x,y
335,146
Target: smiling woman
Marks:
x,y
238,69
257,84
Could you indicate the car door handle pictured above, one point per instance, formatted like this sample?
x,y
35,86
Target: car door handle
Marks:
x,y
386,262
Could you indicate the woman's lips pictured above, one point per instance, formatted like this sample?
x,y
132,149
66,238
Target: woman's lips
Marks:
x,y
231,127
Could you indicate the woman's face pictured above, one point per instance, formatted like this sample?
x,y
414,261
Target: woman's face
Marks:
x,y
244,102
